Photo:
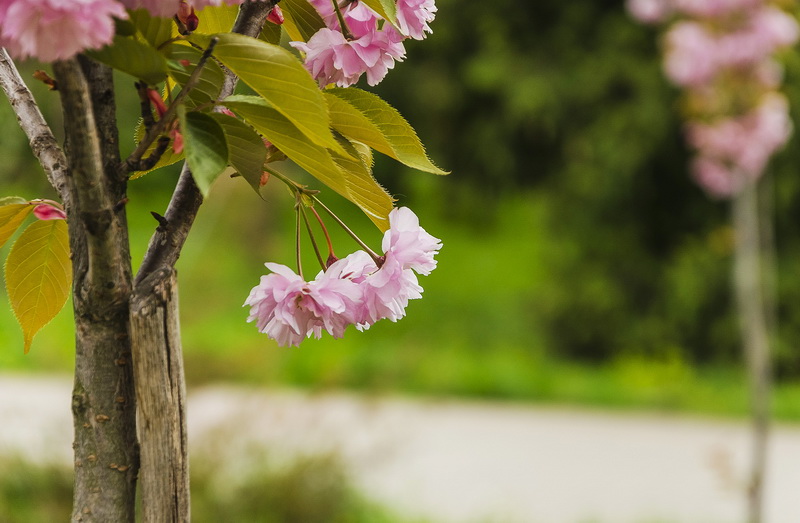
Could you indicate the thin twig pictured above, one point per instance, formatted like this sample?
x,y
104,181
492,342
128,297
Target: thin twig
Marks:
x,y
132,162
40,136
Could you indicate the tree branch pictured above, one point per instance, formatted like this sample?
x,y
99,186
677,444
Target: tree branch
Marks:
x,y
132,163
43,143
167,241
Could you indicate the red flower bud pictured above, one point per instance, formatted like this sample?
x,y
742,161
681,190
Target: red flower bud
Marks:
x,y
177,141
276,15
45,211
157,101
187,16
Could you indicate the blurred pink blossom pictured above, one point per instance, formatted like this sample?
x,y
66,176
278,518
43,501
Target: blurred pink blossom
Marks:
x,y
52,30
691,54
649,11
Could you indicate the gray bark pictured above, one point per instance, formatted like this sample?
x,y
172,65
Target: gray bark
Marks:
x,y
103,399
160,399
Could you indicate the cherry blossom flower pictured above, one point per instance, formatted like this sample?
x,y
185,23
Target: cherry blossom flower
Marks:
x,y
351,291
288,309
331,58
369,47
410,244
56,29
413,17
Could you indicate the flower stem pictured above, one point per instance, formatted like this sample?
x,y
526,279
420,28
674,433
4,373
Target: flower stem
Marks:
x,y
345,30
378,259
313,240
325,231
297,240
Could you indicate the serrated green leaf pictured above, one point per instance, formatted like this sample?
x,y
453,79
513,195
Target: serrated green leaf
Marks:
x,y
276,75
204,146
133,57
211,77
152,29
301,20
319,162
246,150
387,9
404,144
12,214
215,20
363,189
39,275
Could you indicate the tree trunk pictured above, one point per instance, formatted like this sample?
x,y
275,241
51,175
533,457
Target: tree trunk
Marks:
x,y
161,398
103,399
754,324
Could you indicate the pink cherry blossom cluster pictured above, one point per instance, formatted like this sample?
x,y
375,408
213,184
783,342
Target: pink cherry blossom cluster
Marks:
x,y
368,44
722,53
52,30
352,291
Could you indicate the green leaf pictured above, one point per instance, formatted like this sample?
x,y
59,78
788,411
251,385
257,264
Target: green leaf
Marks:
x,y
133,57
152,29
204,146
12,213
387,9
403,143
39,275
215,20
276,75
301,20
211,77
246,150
362,188
270,33
341,174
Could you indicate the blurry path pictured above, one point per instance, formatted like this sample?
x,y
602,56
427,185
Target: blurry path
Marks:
x,y
464,462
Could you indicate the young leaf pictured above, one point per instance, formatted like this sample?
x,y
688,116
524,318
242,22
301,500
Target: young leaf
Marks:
x,y
387,9
39,275
11,216
246,150
204,146
404,145
301,20
276,75
317,160
133,57
152,29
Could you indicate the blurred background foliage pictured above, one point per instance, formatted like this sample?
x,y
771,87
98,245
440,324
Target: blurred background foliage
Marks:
x,y
580,262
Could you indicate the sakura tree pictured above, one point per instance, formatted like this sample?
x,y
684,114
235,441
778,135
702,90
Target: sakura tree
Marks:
x,y
299,62
723,55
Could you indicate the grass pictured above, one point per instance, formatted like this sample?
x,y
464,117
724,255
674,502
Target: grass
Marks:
x,y
476,333
313,489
